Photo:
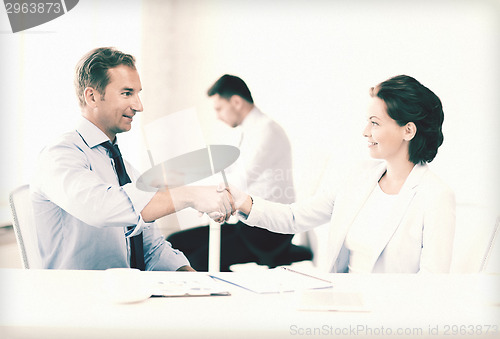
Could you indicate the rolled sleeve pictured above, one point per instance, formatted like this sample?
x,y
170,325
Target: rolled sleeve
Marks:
x,y
139,228
139,200
138,197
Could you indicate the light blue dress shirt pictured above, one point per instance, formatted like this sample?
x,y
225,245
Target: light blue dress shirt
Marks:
x,y
82,213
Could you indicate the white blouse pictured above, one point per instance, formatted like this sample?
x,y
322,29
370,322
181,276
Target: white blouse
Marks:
x,y
366,230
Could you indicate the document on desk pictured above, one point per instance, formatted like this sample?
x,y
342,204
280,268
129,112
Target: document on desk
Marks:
x,y
276,280
188,285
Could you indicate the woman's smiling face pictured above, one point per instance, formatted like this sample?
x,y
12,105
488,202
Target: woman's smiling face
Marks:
x,y
386,139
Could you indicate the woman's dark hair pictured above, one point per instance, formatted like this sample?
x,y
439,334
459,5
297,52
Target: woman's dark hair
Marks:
x,y
229,85
407,100
92,69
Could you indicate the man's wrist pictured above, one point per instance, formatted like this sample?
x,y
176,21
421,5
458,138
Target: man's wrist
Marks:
x,y
181,197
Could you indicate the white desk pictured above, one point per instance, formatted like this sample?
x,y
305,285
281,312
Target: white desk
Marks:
x,y
70,304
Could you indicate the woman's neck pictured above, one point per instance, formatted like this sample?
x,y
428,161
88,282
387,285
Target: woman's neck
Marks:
x,y
395,176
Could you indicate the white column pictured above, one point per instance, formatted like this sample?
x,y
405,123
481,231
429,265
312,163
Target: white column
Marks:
x,y
214,247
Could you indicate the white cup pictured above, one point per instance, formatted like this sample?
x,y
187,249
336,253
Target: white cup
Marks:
x,y
126,285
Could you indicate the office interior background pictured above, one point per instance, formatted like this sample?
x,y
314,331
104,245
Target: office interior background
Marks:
x,y
309,65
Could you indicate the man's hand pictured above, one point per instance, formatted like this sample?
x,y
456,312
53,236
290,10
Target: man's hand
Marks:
x,y
242,201
186,268
239,197
215,201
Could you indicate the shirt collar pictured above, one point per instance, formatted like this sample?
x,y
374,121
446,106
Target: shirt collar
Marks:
x,y
90,133
415,176
251,117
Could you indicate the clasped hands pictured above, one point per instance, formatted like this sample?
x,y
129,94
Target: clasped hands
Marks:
x,y
226,202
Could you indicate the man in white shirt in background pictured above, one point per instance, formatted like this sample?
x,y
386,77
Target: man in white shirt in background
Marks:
x,y
264,167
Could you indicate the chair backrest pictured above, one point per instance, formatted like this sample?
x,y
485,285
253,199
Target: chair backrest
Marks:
x,y
475,233
491,263
24,227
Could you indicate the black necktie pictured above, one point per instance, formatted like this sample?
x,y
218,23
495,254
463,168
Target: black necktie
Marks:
x,y
136,246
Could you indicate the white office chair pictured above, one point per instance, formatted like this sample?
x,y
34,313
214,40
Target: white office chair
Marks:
x,y
475,233
24,227
491,263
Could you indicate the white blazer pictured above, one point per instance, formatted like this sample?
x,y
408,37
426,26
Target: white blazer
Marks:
x,y
420,238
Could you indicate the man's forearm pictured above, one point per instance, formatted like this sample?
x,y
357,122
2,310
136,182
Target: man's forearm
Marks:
x,y
164,203
203,199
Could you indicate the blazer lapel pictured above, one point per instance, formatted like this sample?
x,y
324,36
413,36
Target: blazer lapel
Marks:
x,y
346,209
404,199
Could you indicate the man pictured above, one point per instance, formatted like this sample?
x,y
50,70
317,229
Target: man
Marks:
x,y
264,168
89,213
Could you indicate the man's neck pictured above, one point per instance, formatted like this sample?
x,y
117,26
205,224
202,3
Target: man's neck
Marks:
x,y
89,117
246,109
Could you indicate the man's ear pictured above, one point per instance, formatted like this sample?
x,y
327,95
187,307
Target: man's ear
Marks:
x,y
236,101
91,96
410,129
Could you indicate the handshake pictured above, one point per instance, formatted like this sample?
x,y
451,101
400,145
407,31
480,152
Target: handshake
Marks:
x,y
220,202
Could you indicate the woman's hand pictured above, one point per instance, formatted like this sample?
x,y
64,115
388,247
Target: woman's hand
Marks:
x,y
241,202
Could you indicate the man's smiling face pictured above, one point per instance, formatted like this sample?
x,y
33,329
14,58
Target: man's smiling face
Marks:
x,y
116,107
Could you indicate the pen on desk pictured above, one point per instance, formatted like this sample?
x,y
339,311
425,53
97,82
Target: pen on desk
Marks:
x,y
305,274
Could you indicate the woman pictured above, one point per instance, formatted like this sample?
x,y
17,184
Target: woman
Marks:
x,y
395,215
